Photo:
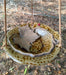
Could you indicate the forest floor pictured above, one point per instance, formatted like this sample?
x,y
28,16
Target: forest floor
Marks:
x,y
19,13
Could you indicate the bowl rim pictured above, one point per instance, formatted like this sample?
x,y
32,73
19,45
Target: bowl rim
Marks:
x,y
30,54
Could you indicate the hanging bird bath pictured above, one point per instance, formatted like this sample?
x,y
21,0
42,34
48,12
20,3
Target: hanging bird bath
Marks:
x,y
46,54
34,44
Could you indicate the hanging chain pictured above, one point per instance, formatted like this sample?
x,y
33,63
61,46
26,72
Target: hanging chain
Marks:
x,y
41,8
5,27
60,21
5,22
32,18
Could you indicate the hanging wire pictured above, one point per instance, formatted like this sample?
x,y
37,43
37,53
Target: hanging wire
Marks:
x,y
59,1
32,18
41,5
41,8
5,22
